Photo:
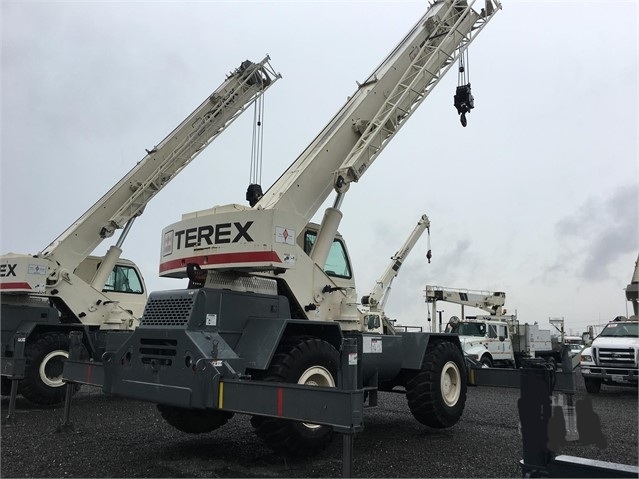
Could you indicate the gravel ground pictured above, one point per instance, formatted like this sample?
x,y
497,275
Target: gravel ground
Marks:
x,y
120,438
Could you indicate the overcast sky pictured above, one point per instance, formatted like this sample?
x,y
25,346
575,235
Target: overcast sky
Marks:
x,y
537,197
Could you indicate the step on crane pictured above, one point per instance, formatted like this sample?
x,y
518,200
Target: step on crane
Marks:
x,y
63,288
273,297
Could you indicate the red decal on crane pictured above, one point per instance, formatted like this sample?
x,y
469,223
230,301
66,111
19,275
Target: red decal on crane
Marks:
x,y
223,258
280,401
15,286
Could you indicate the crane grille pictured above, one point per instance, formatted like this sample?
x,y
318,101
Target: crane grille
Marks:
x,y
167,311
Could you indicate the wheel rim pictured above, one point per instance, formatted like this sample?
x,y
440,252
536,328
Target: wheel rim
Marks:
x,y
450,383
51,368
316,376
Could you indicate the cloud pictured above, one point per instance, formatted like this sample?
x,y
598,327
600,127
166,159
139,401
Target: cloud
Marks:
x,y
605,228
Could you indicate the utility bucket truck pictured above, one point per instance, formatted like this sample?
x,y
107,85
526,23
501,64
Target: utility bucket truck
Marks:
x,y
62,288
271,300
495,339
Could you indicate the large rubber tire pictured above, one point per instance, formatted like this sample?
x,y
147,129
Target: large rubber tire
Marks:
x,y
45,355
194,421
593,385
437,394
307,361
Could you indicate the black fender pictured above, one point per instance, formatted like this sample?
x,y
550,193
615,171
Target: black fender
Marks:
x,y
261,337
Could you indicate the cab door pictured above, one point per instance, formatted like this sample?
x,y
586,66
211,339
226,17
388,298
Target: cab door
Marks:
x,y
498,345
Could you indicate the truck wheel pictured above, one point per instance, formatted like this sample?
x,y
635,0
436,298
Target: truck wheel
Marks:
x,y
194,421
437,394
593,385
311,362
486,361
44,358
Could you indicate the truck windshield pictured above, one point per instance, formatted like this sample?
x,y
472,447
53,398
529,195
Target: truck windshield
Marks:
x,y
472,329
621,330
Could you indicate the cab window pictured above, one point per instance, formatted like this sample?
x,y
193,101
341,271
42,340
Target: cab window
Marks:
x,y
503,332
123,279
492,331
337,261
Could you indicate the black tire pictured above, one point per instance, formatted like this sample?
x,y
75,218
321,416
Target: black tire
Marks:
x,y
194,421
593,385
307,361
437,394
44,358
487,361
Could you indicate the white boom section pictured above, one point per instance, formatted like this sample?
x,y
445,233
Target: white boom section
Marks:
x,y
353,139
489,301
376,300
130,195
51,273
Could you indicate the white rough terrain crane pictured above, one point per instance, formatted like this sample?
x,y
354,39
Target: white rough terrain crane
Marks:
x,y
375,302
272,298
62,288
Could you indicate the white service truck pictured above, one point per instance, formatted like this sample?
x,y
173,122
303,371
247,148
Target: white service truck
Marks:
x,y
613,356
495,339
503,341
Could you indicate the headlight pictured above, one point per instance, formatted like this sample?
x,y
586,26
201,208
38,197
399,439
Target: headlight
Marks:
x,y
586,358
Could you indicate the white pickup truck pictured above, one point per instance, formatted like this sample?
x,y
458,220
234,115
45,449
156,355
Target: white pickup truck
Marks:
x,y
613,356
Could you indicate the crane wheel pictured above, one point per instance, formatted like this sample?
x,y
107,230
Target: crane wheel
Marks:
x,y
437,394
194,421
45,355
308,361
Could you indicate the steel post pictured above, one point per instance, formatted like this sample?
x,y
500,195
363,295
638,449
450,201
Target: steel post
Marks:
x,y
75,354
16,368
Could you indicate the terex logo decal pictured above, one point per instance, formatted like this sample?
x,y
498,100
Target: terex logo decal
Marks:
x,y
222,233
7,270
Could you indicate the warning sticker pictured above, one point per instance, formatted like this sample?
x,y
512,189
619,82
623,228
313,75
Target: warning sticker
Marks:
x,y
372,344
284,235
37,269
352,359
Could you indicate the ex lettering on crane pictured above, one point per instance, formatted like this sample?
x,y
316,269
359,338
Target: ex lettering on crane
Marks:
x,y
7,270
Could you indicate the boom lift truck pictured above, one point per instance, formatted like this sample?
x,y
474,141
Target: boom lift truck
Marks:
x,y
62,288
497,338
491,302
271,299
